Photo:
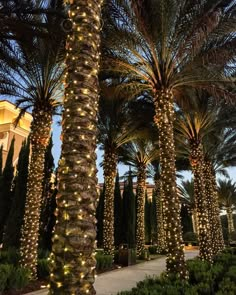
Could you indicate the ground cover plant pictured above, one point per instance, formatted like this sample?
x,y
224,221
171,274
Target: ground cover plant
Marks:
x,y
204,279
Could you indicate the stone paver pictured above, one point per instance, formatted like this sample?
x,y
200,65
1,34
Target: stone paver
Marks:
x,y
112,282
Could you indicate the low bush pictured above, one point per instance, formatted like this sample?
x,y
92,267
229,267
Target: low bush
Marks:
x,y
190,237
204,279
43,268
12,277
104,262
10,256
152,249
144,255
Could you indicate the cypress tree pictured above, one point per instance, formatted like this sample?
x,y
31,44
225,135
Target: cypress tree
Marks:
x,y
6,189
99,217
1,148
117,212
147,215
129,213
15,219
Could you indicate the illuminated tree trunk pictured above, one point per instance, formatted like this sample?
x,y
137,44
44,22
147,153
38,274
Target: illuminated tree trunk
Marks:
x,y
229,213
140,228
39,138
194,221
161,242
204,235
73,250
109,166
164,117
217,240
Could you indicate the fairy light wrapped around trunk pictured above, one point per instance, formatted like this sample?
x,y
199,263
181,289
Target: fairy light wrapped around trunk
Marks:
x,y
164,117
72,259
141,189
109,167
213,208
204,235
39,139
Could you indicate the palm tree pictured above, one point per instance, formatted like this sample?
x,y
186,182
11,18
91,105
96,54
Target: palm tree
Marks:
x,y
73,262
140,153
161,225
116,128
227,197
32,72
193,126
186,190
170,46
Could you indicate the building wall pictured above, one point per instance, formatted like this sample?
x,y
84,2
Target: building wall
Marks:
x,y
8,114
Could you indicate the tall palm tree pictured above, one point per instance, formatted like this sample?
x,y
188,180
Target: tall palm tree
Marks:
x,y
186,190
140,153
115,129
32,72
161,225
170,46
193,126
227,197
73,262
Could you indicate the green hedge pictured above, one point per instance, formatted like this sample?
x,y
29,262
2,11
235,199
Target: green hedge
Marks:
x,y
104,262
12,277
204,279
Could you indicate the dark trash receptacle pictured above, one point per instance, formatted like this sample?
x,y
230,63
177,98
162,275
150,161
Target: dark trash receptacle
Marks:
x,y
126,256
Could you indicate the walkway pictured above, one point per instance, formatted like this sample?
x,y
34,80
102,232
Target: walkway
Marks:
x,y
110,283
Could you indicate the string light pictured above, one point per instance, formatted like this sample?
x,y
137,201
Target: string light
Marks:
x,y
141,189
39,139
204,236
164,117
72,259
109,168
217,239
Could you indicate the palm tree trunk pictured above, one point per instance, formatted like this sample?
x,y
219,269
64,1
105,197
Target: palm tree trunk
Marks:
x,y
39,139
195,221
217,239
161,241
109,166
164,117
72,259
204,236
230,219
140,228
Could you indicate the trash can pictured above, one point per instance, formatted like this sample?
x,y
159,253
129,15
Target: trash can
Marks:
x,y
126,256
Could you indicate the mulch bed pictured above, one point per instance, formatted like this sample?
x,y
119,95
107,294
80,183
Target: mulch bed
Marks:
x,y
33,286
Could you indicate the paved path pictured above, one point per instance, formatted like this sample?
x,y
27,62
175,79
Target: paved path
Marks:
x,y
112,282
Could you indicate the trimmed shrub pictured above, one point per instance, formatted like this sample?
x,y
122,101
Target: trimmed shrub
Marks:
x,y
43,268
104,262
12,277
152,249
10,256
19,278
190,237
5,272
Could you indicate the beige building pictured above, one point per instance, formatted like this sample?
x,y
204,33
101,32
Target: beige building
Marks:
x,y
8,114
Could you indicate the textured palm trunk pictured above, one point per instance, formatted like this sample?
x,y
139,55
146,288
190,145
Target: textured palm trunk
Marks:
x,y
217,239
109,166
39,139
72,259
194,221
164,117
204,235
161,241
140,227
229,213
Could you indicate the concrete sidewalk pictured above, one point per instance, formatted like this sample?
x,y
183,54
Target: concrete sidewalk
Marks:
x,y
112,282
